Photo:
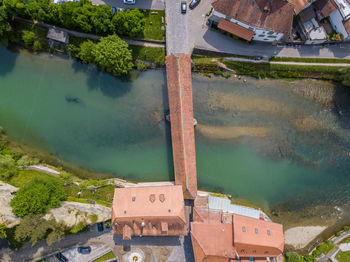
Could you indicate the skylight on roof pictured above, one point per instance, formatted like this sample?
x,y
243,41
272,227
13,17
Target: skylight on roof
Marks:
x,y
256,231
268,232
243,229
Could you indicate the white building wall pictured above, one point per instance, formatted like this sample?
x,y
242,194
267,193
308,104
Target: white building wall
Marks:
x,y
259,34
336,20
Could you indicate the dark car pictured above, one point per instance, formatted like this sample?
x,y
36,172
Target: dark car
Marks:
x,y
194,3
183,7
84,250
100,227
60,257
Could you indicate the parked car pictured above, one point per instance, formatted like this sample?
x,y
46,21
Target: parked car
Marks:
x,y
121,10
183,7
84,250
194,3
129,2
60,257
100,227
257,58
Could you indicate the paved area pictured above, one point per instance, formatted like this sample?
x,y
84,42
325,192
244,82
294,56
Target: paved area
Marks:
x,y
96,251
176,28
140,4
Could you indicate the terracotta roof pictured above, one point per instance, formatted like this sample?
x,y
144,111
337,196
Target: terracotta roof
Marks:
x,y
326,7
273,15
153,210
258,238
179,81
236,29
212,240
347,26
298,5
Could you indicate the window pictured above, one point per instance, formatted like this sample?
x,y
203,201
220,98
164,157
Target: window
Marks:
x,y
253,3
269,232
261,35
243,229
256,231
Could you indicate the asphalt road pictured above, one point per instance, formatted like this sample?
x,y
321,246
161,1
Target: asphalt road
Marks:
x,y
140,4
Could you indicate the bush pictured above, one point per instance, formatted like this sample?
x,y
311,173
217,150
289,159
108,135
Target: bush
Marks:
x,y
3,231
93,218
292,257
28,38
8,167
37,197
37,45
86,52
78,228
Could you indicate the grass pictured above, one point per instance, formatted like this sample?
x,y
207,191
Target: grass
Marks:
x,y
345,240
265,70
105,257
153,31
311,60
24,176
150,54
343,256
102,195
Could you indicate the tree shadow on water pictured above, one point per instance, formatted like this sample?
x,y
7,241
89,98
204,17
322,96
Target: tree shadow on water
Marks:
x,y
108,84
8,59
341,105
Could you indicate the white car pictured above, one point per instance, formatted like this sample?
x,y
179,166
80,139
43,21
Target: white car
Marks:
x,y
129,2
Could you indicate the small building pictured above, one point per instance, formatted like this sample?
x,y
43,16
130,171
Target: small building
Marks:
x,y
58,39
339,15
254,20
149,211
239,239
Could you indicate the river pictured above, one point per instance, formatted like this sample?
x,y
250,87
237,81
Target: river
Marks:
x,y
284,146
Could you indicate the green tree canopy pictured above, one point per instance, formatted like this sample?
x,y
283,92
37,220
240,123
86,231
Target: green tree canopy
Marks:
x,y
86,53
346,76
37,197
15,7
34,228
38,9
5,26
112,54
129,23
8,167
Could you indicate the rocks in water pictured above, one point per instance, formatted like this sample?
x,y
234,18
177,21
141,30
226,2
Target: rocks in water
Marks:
x,y
71,99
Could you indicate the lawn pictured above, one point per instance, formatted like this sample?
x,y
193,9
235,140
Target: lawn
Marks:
x,y
105,257
346,240
153,26
24,176
150,54
343,256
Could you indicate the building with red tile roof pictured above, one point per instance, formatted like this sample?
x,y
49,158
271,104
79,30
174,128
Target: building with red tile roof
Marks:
x,y
179,81
241,237
262,20
148,211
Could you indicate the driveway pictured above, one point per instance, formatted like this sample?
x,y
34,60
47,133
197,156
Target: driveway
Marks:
x,y
140,4
200,36
176,28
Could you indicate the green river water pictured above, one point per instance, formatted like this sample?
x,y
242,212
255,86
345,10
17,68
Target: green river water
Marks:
x,y
291,148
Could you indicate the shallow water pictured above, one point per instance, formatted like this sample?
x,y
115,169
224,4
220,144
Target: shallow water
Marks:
x,y
97,122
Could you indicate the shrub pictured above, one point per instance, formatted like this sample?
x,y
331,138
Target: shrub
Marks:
x,y
129,23
3,231
94,218
37,197
86,52
8,167
37,45
78,228
292,257
28,38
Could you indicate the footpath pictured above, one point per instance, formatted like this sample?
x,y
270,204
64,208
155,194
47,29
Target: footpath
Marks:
x,y
338,247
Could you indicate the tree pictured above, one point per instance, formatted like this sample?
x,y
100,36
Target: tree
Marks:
x,y
15,7
3,231
37,45
130,22
34,228
101,19
292,257
5,26
112,54
37,197
86,53
8,167
38,9
28,38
